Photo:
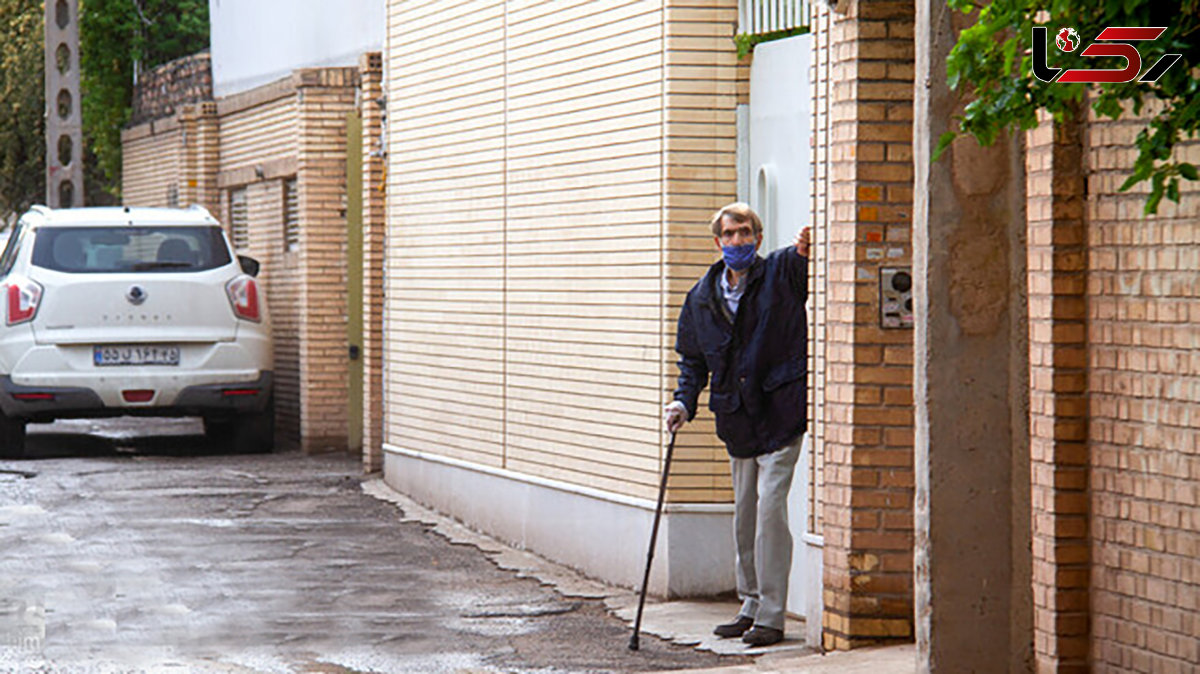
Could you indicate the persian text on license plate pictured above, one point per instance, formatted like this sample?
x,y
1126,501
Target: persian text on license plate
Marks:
x,y
146,354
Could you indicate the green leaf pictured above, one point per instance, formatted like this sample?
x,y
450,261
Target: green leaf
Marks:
x,y
943,142
112,36
1151,206
1188,171
746,41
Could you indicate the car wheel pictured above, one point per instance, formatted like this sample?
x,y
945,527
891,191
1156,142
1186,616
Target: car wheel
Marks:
x,y
12,438
252,433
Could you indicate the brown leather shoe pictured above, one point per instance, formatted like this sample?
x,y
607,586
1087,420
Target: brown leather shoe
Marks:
x,y
734,629
762,636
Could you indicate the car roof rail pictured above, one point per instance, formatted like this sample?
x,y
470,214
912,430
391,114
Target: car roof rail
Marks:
x,y
198,207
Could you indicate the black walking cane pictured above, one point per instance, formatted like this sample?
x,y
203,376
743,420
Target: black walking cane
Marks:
x,y
662,490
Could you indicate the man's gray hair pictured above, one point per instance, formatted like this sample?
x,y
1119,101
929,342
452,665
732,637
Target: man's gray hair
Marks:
x,y
739,212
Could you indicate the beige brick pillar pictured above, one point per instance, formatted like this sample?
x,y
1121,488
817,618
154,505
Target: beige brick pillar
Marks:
x,y
324,97
1058,395
868,511
199,156
371,108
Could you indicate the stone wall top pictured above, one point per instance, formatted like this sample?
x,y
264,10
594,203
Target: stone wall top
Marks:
x,y
160,91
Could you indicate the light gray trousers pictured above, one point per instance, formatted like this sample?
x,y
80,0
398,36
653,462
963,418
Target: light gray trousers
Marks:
x,y
760,529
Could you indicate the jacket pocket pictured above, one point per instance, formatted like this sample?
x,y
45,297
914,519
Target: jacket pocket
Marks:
x,y
782,374
723,403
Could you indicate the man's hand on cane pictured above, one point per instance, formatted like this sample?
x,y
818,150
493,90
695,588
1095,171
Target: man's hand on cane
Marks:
x,y
674,415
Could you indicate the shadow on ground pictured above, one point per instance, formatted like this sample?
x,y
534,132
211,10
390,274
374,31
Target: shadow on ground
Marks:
x,y
121,436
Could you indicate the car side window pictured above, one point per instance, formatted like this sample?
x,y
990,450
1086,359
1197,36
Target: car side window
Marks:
x,y
9,257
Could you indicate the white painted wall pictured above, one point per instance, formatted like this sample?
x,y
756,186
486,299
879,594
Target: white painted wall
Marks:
x,y
259,41
775,177
602,534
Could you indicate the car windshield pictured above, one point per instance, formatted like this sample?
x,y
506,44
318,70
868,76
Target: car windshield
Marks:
x,y
130,249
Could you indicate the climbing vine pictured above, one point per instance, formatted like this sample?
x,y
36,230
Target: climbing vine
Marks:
x,y
991,65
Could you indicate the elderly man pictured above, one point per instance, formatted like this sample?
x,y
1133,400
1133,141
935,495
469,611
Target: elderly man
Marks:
x,y
744,324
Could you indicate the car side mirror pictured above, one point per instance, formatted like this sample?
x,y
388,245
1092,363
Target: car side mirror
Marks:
x,y
249,264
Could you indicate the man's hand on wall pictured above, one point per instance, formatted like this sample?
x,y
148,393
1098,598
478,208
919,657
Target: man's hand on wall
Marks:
x,y
802,241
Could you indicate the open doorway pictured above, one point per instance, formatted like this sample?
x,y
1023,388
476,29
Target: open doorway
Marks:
x,y
780,165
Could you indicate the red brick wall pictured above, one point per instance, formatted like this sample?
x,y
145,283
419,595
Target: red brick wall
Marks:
x,y
1115,406
1057,276
868,412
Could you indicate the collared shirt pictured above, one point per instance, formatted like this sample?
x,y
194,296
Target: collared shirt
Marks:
x,y
732,294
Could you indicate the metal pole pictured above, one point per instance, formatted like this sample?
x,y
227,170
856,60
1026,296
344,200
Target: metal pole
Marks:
x,y
64,118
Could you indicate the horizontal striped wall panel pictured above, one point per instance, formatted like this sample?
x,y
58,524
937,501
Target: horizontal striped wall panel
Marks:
x,y
699,109
536,139
263,131
444,324
150,167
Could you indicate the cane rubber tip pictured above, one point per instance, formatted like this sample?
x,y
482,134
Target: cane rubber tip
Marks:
x,y
633,644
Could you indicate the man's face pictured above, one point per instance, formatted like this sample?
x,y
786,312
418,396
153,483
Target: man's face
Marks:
x,y
734,233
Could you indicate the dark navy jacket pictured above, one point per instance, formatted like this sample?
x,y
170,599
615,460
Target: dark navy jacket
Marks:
x,y
758,360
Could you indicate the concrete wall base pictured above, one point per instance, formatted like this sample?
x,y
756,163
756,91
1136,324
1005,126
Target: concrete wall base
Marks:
x,y
600,534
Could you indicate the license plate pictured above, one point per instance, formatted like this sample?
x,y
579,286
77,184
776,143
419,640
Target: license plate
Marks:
x,y
146,354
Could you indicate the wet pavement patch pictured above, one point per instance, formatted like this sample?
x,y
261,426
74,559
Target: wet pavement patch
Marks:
x,y
171,560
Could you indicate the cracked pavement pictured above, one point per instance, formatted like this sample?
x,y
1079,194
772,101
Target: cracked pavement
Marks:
x,y
138,546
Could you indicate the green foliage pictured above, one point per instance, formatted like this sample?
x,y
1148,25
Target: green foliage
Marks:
x,y
745,42
991,65
22,127
114,34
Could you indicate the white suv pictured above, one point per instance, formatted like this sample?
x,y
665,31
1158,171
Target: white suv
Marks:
x,y
132,311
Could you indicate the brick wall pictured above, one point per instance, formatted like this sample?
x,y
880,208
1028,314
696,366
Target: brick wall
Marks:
x,y
151,167
371,107
173,160
257,135
1115,390
1057,277
256,140
162,91
821,25
1143,358
868,513
324,97
200,155
282,276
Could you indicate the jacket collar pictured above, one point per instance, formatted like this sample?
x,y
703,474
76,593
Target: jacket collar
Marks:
x,y
710,287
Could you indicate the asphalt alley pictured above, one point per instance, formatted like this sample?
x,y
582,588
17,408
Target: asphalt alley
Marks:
x,y
135,545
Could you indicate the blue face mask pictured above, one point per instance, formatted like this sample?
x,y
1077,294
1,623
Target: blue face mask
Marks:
x,y
741,257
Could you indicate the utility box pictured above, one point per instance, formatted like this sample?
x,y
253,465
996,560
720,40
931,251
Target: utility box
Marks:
x,y
895,297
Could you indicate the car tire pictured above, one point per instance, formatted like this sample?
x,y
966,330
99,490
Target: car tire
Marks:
x,y
12,438
251,433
